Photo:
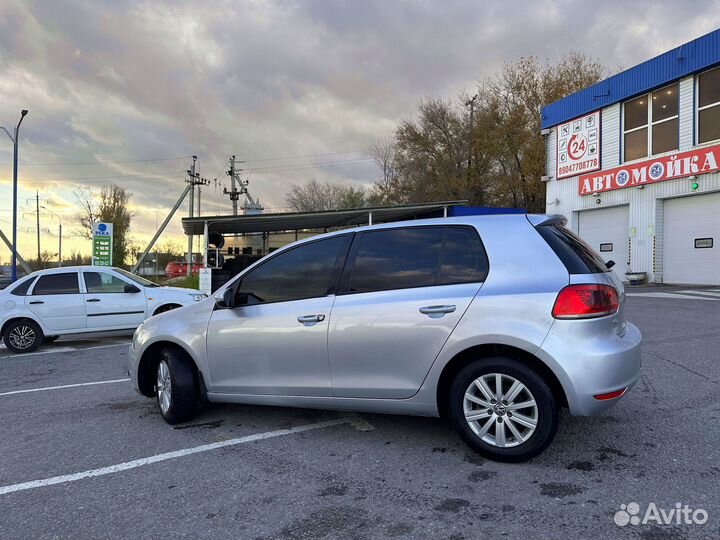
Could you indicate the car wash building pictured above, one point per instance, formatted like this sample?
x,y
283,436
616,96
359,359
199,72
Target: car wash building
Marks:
x,y
633,162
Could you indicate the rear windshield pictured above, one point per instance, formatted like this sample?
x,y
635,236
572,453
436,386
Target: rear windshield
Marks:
x,y
575,254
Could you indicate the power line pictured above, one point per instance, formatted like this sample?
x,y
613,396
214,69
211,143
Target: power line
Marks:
x,y
307,156
282,168
56,163
89,179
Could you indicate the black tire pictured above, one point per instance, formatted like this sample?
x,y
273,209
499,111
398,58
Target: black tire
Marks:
x,y
49,339
184,389
23,336
544,413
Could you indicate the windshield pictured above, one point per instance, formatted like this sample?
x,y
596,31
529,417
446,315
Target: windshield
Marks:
x,y
137,279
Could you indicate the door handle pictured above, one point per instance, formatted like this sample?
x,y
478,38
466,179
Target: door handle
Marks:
x,y
36,302
92,300
310,319
435,312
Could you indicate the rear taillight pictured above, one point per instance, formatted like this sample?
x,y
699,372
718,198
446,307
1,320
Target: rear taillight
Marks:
x,y
586,301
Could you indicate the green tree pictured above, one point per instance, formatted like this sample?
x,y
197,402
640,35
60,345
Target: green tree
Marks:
x,y
109,205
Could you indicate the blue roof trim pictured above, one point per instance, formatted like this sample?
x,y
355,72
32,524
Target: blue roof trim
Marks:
x,y
692,57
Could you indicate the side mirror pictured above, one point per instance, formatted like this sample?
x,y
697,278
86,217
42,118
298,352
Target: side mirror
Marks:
x,y
610,264
130,288
228,297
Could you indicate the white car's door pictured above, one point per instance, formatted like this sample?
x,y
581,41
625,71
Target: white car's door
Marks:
x,y
274,340
56,301
108,305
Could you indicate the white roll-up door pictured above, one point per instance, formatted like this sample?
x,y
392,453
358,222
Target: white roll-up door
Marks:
x,y
691,240
607,231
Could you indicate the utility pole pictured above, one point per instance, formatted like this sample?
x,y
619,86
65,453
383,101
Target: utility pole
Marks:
x,y
15,141
59,233
471,103
250,203
37,217
234,193
191,180
194,180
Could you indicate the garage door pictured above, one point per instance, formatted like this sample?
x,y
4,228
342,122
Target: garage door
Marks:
x,y
691,237
607,231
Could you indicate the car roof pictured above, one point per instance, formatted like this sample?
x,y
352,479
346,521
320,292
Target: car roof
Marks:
x,y
496,220
71,269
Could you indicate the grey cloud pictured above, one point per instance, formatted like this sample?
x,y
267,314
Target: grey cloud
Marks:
x,y
118,80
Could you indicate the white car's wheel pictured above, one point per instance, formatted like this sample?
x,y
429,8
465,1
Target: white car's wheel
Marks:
x,y
23,336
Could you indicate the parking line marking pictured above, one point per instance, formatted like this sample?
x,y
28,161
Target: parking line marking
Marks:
x,y
44,388
704,292
63,350
670,295
171,455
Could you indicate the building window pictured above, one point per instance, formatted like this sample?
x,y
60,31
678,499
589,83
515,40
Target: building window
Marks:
x,y
650,124
709,106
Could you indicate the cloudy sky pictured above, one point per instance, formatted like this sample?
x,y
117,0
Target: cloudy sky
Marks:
x,y
125,91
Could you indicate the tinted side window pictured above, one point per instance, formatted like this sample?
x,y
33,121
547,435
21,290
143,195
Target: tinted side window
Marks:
x,y
576,255
66,283
100,282
395,259
464,259
302,272
21,288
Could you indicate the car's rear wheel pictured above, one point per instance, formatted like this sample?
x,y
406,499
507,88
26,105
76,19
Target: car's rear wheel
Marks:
x,y
23,336
503,409
177,387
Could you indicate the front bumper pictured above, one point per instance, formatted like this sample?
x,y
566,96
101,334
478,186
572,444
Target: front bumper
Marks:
x,y
133,359
588,365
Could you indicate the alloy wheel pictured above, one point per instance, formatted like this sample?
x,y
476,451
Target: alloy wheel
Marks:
x,y
164,386
500,410
22,337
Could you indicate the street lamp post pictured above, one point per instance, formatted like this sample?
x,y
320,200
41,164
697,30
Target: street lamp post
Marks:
x,y
15,141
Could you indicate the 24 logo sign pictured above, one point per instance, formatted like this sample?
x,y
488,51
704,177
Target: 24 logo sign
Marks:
x,y
577,146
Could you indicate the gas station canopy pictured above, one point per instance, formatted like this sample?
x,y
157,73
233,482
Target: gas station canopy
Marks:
x,y
295,221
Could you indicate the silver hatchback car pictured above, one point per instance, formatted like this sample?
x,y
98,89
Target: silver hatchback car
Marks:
x,y
494,322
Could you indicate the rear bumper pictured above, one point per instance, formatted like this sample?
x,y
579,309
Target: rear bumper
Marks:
x,y
591,366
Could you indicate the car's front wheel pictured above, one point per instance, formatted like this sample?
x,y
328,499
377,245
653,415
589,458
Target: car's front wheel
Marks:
x,y
177,387
503,409
23,336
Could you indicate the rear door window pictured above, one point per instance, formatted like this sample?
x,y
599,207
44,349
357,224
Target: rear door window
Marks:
x,y
414,257
21,288
63,283
463,259
575,254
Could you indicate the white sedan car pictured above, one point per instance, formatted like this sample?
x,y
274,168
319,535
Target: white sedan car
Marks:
x,y
80,299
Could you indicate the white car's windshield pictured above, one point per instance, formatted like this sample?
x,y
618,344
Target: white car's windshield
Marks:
x,y
137,279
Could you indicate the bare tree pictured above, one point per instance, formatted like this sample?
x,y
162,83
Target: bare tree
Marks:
x,y
316,196
496,155
386,188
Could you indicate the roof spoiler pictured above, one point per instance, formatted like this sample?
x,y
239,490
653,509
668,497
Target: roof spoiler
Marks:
x,y
546,219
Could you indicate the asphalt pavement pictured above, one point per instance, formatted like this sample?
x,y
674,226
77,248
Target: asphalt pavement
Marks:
x,y
81,461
